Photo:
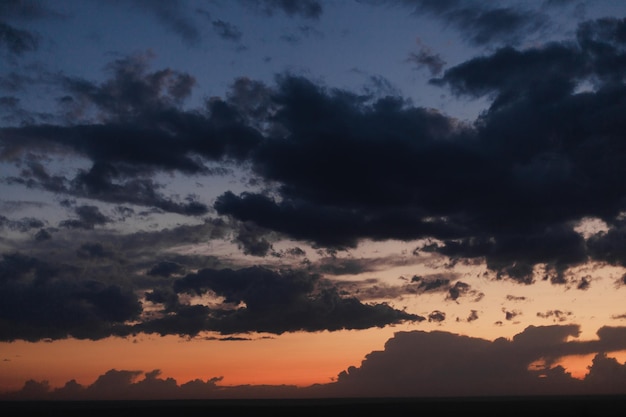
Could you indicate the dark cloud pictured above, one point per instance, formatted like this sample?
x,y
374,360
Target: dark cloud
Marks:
x,y
132,92
42,235
166,269
145,131
17,41
432,284
347,200
273,302
339,167
335,265
252,240
413,364
515,256
227,30
481,23
425,57
43,300
375,289
609,247
93,250
511,314
472,316
458,290
144,386
26,10
437,316
449,365
555,315
88,218
584,283
311,9
25,224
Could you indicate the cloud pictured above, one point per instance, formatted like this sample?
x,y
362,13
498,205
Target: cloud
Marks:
x,y
26,10
412,364
440,364
132,91
23,225
166,269
144,131
262,300
252,240
93,250
339,167
425,57
437,316
226,30
311,9
17,41
122,385
481,23
44,300
88,218
556,315
173,16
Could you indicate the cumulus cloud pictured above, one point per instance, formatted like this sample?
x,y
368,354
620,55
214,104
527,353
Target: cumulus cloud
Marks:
x,y
441,364
335,168
412,364
42,300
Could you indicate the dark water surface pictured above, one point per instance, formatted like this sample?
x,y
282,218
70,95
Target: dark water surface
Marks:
x,y
499,406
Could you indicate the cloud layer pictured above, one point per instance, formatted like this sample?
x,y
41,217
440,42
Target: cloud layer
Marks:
x,y
413,364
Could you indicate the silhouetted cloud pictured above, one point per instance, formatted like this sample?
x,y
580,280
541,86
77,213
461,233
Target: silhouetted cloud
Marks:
x,y
42,300
262,300
440,364
413,364
391,170
166,269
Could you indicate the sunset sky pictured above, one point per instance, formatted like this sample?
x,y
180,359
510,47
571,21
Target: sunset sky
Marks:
x,y
312,198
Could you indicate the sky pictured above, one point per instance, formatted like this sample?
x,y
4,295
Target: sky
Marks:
x,y
314,198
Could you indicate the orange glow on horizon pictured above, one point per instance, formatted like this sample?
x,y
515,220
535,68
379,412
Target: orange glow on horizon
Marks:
x,y
300,359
